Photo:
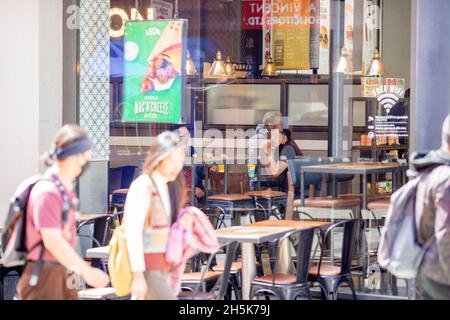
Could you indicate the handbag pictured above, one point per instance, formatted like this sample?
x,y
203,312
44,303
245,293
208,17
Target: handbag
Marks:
x,y
119,265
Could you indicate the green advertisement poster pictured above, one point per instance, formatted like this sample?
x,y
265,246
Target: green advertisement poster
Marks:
x,y
154,78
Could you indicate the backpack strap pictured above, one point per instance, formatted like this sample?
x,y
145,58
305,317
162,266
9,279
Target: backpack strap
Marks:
x,y
65,213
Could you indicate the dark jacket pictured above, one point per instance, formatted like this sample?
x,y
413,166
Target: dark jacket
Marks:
x,y
433,212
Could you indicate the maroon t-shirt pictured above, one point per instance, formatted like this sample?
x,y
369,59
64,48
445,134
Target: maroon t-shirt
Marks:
x,y
44,210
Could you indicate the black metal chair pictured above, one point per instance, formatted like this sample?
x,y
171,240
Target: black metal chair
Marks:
x,y
272,203
9,277
203,287
96,232
288,286
316,180
331,277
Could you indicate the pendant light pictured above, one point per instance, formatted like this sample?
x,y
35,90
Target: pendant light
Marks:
x,y
269,69
345,65
217,67
376,67
190,66
229,67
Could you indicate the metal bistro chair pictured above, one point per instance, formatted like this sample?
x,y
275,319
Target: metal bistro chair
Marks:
x,y
272,202
9,277
236,267
288,286
203,287
228,203
97,229
316,180
331,277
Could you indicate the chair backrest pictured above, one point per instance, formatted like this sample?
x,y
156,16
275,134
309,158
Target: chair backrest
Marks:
x,y
350,236
97,228
295,166
304,247
221,284
351,230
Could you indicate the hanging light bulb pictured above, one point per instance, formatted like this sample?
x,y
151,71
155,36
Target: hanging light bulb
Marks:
x,y
190,66
269,69
217,67
376,67
229,67
345,65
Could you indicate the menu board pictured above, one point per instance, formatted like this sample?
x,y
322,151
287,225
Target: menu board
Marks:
x,y
154,77
291,34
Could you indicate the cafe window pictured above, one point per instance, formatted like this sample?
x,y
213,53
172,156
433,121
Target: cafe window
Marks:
x,y
329,75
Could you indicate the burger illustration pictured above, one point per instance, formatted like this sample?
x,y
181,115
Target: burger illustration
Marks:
x,y
164,62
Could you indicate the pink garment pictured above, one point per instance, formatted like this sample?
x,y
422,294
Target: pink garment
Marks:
x,y
184,243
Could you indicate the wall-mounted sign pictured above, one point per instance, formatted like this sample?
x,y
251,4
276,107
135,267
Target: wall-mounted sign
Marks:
x,y
291,34
252,13
118,17
390,127
154,79
372,88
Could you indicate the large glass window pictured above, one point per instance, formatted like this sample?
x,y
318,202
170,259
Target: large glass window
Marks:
x,y
325,73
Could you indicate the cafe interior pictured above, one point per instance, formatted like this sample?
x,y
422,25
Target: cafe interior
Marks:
x,y
313,230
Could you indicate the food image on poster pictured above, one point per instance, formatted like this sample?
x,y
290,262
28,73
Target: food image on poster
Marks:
x,y
155,55
324,37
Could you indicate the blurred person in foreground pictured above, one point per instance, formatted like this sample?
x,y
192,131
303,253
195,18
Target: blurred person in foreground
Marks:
x,y
51,238
433,217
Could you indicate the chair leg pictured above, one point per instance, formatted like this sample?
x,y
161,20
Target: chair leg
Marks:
x,y
350,283
325,291
352,287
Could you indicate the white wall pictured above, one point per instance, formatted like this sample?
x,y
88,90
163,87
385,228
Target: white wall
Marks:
x,y
30,88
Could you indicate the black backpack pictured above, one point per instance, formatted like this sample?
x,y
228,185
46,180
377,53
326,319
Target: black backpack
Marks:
x,y
13,236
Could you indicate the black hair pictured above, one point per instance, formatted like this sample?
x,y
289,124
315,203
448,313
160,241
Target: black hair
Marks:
x,y
287,133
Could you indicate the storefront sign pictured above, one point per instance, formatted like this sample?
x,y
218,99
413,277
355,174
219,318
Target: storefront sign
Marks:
x,y
158,10
155,55
291,34
252,13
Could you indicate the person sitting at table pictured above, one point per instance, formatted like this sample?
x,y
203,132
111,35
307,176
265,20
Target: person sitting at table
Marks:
x,y
198,173
264,145
289,148
199,178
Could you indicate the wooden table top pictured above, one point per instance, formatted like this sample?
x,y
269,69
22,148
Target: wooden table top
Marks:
x,y
253,235
294,224
354,167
